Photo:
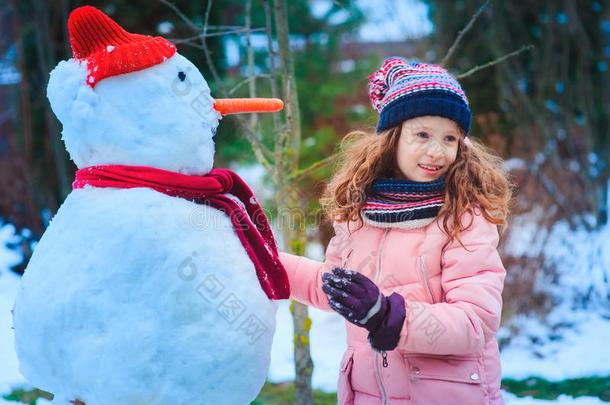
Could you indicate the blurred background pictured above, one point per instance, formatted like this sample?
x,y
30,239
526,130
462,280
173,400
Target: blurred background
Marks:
x,y
536,75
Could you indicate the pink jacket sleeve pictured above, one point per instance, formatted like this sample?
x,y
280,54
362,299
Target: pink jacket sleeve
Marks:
x,y
472,282
305,275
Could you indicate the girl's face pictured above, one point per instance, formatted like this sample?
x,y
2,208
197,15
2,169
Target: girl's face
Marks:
x,y
427,146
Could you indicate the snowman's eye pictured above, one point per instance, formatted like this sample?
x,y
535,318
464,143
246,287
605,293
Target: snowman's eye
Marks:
x,y
181,76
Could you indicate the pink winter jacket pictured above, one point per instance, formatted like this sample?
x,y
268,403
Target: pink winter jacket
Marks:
x,y
447,352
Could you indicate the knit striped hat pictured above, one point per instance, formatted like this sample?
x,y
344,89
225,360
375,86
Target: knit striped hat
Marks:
x,y
401,90
108,49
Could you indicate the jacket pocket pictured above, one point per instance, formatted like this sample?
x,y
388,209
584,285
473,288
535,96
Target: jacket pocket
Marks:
x,y
345,392
439,379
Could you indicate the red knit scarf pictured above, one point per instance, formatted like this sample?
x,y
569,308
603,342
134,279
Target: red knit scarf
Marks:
x,y
248,218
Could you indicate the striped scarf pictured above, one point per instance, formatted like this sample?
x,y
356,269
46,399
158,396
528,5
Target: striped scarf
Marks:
x,y
404,203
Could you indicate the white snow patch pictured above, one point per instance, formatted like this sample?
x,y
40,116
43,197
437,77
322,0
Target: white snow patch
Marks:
x,y
9,283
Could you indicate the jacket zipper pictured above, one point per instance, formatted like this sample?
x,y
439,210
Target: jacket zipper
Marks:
x,y
347,258
424,276
384,397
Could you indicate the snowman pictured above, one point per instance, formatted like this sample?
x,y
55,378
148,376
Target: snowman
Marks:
x,y
157,281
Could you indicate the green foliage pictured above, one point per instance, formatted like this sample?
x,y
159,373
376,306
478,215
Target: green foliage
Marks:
x,y
283,394
541,388
27,396
321,85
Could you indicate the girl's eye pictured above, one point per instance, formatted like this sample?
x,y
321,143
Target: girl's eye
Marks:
x,y
451,138
422,135
181,76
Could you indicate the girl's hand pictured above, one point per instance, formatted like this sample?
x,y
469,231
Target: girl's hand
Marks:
x,y
358,299
354,296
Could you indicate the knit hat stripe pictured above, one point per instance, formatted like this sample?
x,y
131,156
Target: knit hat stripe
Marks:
x,y
112,32
426,82
85,40
420,86
105,33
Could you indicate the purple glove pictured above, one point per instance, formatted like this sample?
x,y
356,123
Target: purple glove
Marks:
x,y
357,298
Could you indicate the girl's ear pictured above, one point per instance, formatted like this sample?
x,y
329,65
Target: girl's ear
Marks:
x,y
68,93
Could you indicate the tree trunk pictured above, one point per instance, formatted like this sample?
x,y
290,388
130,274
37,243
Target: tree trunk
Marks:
x,y
291,212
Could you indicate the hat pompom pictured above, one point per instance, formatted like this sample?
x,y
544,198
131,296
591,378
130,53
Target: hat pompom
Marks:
x,y
379,82
377,89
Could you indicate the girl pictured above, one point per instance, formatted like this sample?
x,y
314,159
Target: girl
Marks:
x,y
413,266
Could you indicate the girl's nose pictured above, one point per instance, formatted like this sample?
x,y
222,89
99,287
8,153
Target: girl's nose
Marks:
x,y
434,149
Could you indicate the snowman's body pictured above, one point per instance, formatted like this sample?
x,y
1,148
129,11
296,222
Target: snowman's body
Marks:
x,y
133,296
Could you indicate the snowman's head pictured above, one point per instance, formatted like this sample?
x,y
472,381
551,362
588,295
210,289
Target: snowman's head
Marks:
x,y
130,99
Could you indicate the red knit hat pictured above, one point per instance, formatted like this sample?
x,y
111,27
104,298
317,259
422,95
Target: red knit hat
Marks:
x,y
110,50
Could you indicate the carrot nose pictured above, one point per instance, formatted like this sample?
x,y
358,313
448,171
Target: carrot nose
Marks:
x,y
227,106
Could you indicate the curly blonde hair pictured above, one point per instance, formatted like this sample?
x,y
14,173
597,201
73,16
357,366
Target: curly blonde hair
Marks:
x,y
475,179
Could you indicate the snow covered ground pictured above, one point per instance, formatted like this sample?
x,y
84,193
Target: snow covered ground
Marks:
x,y
577,350
9,282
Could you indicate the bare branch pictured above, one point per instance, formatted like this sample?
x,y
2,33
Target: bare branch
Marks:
x,y
246,81
272,72
181,15
207,17
495,61
262,153
250,55
214,34
463,32
300,174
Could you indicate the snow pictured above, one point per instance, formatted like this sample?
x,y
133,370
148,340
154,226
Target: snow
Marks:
x,y
571,356
143,118
580,257
577,351
165,27
9,283
123,279
9,74
328,342
158,319
514,164
394,20
387,20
